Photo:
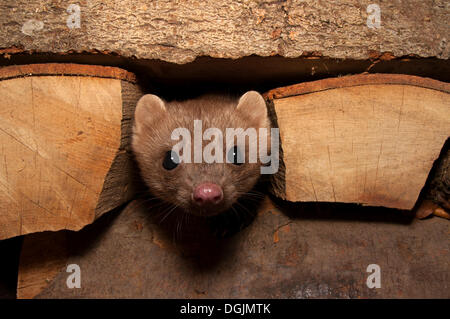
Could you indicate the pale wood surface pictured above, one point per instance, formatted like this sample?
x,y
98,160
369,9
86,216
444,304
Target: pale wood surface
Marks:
x,y
372,144
59,136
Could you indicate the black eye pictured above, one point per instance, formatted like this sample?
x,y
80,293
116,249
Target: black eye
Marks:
x,y
171,160
235,156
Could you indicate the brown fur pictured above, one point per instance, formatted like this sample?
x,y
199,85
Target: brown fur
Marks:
x,y
151,140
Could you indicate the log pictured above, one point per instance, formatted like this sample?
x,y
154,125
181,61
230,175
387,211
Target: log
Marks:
x,y
64,136
180,32
42,257
289,251
368,139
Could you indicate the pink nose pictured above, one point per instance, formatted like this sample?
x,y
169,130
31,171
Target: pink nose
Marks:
x,y
207,194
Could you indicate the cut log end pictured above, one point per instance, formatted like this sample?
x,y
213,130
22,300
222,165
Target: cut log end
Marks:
x,y
64,136
368,139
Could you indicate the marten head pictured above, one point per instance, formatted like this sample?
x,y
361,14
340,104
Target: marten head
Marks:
x,y
199,185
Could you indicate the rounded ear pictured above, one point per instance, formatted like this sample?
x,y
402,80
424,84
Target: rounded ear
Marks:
x,y
148,108
253,106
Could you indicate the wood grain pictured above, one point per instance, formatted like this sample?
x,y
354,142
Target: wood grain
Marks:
x,y
43,256
372,144
289,251
59,138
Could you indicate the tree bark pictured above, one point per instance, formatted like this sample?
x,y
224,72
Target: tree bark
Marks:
x,y
180,31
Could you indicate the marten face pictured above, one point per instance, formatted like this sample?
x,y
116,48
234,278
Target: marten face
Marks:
x,y
204,188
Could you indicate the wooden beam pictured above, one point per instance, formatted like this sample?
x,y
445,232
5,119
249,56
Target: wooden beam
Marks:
x,y
166,30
